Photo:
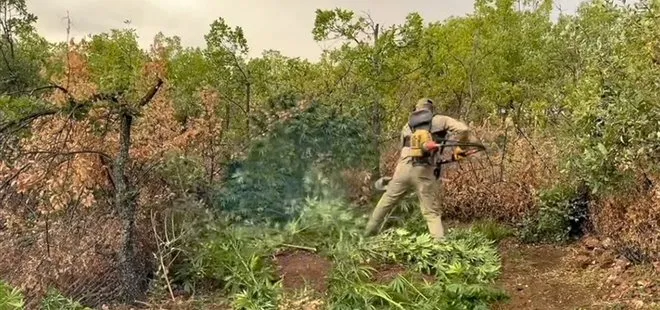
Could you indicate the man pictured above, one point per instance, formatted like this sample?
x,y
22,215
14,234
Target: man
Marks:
x,y
419,174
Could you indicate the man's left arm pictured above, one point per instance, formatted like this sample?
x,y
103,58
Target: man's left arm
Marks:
x,y
456,127
460,129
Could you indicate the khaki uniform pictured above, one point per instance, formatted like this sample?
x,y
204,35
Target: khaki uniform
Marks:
x,y
418,177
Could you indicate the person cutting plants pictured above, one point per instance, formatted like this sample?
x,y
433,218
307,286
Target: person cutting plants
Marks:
x,y
422,141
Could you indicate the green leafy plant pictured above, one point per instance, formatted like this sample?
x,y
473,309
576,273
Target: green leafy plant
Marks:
x,y
323,223
238,260
562,215
492,230
236,257
54,300
463,267
11,298
270,184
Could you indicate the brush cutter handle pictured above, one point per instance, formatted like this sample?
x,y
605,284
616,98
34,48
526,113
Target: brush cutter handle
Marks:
x,y
459,154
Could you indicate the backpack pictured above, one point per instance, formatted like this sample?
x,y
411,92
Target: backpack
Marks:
x,y
420,122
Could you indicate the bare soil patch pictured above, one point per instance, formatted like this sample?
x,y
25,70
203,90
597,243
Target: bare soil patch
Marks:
x,y
301,269
585,275
530,277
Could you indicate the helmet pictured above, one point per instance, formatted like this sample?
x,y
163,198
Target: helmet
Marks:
x,y
424,104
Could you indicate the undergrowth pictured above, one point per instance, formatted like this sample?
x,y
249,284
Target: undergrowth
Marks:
x,y
238,260
562,216
11,298
462,268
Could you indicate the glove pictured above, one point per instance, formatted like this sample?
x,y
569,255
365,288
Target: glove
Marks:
x,y
459,154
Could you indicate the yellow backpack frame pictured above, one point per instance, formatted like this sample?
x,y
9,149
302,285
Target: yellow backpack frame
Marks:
x,y
420,123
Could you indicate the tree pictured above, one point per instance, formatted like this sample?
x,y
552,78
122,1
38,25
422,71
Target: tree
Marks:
x,y
226,50
94,104
369,48
21,48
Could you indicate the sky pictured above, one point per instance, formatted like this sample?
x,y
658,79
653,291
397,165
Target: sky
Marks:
x,y
283,25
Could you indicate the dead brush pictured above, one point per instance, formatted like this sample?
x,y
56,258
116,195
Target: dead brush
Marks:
x,y
76,255
358,185
631,218
501,184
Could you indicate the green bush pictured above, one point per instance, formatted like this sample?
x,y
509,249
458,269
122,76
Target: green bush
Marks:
x,y
237,257
323,223
562,215
464,266
11,298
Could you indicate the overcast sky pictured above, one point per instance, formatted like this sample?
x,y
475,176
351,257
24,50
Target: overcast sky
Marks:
x,y
283,25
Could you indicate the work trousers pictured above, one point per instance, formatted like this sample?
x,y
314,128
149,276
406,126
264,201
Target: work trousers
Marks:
x,y
407,177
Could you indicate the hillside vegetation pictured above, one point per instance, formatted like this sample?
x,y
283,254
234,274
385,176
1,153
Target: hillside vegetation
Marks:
x,y
199,178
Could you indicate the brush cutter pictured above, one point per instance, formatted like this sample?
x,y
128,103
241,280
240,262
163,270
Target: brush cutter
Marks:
x,y
457,155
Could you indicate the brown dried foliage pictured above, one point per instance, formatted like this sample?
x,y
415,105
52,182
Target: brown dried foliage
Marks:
x,y
60,228
503,184
75,254
632,219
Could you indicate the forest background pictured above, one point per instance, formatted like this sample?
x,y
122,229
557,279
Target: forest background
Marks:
x,y
120,164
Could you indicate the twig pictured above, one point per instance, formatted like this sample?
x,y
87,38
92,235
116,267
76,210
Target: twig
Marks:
x,y
151,93
522,133
160,257
301,247
506,138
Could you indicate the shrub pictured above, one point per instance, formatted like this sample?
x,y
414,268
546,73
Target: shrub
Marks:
x,y
562,215
237,260
463,267
237,257
324,223
627,218
11,298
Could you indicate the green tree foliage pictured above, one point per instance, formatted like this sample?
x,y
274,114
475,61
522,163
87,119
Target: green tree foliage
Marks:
x,y
610,92
22,51
116,63
227,49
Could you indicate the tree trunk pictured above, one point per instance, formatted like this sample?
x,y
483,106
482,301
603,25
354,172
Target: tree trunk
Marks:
x,y
377,107
126,208
248,90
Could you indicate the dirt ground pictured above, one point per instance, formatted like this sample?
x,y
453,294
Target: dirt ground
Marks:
x,y
300,269
583,276
586,275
